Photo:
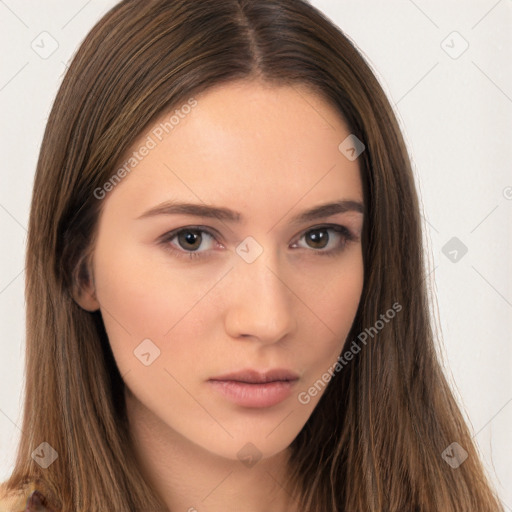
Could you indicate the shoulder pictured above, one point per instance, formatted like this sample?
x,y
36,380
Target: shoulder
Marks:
x,y
23,499
13,501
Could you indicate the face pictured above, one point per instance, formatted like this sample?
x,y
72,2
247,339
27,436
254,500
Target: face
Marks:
x,y
188,297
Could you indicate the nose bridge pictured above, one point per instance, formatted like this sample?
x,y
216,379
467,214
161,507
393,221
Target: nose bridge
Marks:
x,y
261,305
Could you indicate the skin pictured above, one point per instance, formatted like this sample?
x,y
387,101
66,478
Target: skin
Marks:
x,y
268,152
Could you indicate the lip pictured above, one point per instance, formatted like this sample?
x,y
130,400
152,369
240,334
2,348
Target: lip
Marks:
x,y
252,388
259,377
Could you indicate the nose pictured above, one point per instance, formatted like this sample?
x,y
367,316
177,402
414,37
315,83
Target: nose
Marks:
x,y
260,304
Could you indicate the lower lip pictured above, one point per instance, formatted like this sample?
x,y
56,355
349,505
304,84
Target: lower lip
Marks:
x,y
254,395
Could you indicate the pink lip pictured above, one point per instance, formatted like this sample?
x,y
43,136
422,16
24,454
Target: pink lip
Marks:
x,y
250,388
253,395
257,377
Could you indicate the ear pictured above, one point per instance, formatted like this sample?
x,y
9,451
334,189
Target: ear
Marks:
x,y
84,290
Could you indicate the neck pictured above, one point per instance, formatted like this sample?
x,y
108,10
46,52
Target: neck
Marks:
x,y
189,478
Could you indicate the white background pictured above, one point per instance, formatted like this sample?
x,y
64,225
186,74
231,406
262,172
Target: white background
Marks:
x,y
456,115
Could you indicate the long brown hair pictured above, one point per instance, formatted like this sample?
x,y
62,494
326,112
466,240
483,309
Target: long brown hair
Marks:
x,y
375,440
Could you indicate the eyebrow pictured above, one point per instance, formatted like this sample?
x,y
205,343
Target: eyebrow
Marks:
x,y
225,214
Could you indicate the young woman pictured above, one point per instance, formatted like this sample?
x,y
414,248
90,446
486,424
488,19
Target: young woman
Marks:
x,y
226,305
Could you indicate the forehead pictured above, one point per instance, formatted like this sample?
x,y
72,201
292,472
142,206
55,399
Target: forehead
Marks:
x,y
245,140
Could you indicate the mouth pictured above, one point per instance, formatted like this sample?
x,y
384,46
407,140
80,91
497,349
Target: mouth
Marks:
x,y
255,389
250,376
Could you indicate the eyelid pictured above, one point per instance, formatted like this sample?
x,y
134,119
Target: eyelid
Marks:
x,y
203,229
342,228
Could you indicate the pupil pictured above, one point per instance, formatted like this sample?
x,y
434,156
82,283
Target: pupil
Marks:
x,y
317,236
190,237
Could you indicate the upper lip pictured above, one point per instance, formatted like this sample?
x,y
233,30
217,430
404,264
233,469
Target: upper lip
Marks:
x,y
259,377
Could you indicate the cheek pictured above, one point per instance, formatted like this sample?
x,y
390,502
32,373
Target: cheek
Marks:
x,y
335,306
336,290
141,302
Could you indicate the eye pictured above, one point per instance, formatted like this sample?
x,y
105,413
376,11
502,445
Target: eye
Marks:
x,y
318,238
185,242
188,239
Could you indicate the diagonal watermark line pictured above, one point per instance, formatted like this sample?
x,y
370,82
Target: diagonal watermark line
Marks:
x,y
13,422
37,270
13,217
504,298
199,300
484,218
217,486
425,277
280,485
76,14
298,92
334,334
13,13
485,15
13,77
492,81
429,223
429,71
280,423
506,403
105,309
11,281
425,14
199,403
220,220
301,198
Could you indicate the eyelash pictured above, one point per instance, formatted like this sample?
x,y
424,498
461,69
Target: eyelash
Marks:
x,y
345,233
